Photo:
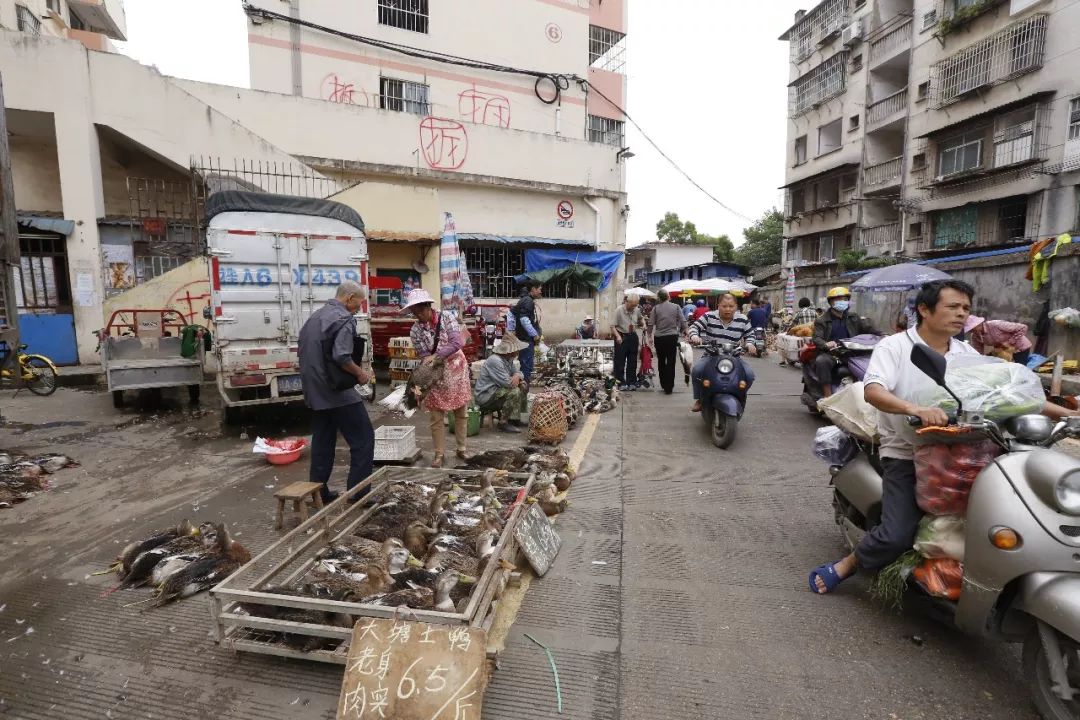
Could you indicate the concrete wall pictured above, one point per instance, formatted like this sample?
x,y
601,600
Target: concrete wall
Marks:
x,y
185,289
36,175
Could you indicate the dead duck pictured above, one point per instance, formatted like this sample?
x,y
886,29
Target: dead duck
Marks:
x,y
360,550
512,459
142,568
361,583
133,550
424,598
206,571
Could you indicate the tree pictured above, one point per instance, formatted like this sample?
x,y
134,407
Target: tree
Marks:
x,y
764,241
673,230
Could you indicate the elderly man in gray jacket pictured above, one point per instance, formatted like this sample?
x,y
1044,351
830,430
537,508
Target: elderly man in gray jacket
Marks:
x,y
500,386
669,324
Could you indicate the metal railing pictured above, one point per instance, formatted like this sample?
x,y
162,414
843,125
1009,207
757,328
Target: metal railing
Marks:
x,y
1016,50
886,107
826,20
883,173
881,235
892,40
825,81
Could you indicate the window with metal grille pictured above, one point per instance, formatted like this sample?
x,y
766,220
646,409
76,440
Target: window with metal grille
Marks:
x,y
800,150
816,27
826,245
27,21
606,130
403,96
1074,119
856,63
43,274
492,271
148,267
960,154
405,14
1014,137
1012,220
825,81
607,49
929,19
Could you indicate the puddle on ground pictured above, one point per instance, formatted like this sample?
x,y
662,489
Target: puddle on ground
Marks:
x,y
19,428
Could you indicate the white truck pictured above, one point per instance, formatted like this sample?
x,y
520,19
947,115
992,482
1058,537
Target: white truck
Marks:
x,y
274,260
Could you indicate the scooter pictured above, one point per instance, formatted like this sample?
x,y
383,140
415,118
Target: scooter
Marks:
x,y
724,387
757,336
853,357
1021,565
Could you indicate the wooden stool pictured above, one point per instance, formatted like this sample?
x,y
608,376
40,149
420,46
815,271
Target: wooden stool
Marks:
x,y
299,493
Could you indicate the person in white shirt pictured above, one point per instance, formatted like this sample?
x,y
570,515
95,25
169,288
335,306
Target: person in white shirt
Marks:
x,y
891,382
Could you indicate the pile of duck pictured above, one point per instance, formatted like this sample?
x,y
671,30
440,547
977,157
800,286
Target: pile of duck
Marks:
x,y
21,476
180,561
552,469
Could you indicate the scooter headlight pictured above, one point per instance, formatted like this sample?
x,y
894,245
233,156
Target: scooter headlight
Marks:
x,y
725,366
1067,492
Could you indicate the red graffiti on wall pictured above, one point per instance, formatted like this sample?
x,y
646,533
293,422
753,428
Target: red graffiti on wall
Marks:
x,y
190,299
444,142
484,108
336,90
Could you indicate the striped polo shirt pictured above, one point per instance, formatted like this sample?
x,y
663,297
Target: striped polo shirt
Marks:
x,y
710,327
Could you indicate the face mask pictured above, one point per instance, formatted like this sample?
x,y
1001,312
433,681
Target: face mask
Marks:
x,y
841,305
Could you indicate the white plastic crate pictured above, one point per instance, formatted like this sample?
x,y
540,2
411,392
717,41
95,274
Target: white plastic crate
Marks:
x,y
403,364
394,442
401,342
788,346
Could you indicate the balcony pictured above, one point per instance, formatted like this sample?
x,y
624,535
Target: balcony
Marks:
x,y
890,42
1014,51
887,236
816,28
887,109
103,16
883,175
824,82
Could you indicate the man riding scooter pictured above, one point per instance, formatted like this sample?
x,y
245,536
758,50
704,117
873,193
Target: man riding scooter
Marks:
x,y
892,382
836,324
723,325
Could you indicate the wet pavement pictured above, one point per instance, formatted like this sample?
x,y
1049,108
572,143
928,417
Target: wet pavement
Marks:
x,y
680,591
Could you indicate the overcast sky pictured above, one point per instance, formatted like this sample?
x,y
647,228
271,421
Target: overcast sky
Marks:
x,y
707,82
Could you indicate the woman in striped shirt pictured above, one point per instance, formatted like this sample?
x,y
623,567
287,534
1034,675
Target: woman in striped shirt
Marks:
x,y
723,325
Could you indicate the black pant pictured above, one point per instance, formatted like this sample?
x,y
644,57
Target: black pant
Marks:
x,y
353,423
626,353
825,369
900,516
667,349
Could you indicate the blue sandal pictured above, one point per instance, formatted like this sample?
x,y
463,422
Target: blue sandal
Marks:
x,y
828,575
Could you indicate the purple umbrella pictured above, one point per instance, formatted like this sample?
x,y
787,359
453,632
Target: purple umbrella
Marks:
x,y
897,278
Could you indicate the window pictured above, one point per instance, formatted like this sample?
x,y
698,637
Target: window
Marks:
x,y
915,230
800,150
27,21
955,228
607,49
404,14
929,19
798,202
918,161
853,122
960,154
825,248
1074,119
859,3
492,271
53,5
605,130
403,96
77,23
148,267
825,81
923,91
1014,138
42,280
1012,220
856,63
829,137
828,193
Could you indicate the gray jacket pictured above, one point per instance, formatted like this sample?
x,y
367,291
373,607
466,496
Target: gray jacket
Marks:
x,y
668,320
495,373
318,393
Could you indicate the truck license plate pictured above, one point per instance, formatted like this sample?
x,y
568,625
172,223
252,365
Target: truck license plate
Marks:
x,y
289,384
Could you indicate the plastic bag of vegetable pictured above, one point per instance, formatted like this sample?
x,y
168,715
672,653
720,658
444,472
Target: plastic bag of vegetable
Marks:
x,y
941,577
941,536
944,474
848,409
833,445
999,390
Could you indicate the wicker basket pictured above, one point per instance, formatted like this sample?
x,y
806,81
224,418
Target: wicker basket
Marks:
x,y
548,421
572,403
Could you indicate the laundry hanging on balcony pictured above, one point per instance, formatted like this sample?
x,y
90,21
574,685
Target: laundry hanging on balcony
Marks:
x,y
592,269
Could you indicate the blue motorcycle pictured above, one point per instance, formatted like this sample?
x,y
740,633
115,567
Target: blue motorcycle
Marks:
x,y
724,386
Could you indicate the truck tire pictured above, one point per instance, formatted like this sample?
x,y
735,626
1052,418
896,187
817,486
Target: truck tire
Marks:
x,y
233,415
118,399
194,391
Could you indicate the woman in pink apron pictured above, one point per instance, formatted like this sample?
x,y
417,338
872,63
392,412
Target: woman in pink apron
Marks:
x,y
438,335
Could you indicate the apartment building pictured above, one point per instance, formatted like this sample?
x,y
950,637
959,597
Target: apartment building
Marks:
x,y
925,128
112,160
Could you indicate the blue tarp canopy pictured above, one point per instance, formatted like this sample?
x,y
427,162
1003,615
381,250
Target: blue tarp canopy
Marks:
x,y
539,265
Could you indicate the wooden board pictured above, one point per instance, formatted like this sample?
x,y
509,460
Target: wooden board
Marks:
x,y
537,539
413,671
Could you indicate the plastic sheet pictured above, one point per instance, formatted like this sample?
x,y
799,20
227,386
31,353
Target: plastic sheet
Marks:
x,y
944,474
999,390
848,409
941,577
833,445
941,537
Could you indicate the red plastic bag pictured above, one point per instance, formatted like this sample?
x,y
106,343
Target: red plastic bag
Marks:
x,y
941,577
944,474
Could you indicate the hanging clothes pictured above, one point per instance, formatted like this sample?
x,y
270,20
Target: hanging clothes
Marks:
x,y
1041,265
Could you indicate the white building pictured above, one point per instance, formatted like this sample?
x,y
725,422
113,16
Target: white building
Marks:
x,y
931,127
643,259
109,194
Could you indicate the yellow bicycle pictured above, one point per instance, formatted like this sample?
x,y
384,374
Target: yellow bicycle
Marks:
x,y
36,372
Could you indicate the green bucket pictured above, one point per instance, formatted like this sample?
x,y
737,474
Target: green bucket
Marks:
x,y
473,427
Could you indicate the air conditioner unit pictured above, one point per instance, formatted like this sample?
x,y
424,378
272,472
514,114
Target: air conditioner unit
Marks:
x,y
852,34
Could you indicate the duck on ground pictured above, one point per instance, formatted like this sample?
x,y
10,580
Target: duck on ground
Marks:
x,y
206,571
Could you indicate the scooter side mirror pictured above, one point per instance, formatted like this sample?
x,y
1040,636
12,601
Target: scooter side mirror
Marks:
x,y
930,362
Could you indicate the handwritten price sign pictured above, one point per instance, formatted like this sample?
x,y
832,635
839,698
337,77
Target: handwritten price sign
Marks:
x,y
413,671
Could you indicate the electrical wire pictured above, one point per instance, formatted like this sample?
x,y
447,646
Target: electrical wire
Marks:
x,y
559,81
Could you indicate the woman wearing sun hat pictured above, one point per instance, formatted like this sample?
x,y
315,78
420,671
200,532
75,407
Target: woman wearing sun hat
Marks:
x,y
437,335
987,335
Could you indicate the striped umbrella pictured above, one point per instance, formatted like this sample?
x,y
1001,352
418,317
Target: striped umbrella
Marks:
x,y
451,292
789,290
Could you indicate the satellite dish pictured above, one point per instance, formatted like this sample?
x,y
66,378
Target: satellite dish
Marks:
x,y
420,267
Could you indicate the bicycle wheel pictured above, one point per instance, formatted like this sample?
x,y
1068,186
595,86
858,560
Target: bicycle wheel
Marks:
x,y
39,375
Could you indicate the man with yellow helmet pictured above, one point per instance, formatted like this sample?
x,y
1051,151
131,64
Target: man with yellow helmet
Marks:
x,y
836,324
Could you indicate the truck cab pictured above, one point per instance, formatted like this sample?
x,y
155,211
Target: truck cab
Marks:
x,y
274,261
